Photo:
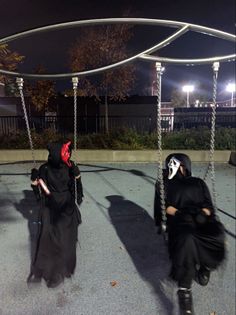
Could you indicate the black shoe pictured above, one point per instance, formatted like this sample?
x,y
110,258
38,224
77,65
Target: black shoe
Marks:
x,y
185,302
203,276
53,283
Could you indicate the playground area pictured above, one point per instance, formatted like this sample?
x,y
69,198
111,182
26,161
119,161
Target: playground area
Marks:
x,y
122,264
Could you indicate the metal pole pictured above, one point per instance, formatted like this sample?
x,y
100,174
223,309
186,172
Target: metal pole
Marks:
x,y
184,27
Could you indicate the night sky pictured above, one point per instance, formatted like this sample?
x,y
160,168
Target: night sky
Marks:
x,y
51,48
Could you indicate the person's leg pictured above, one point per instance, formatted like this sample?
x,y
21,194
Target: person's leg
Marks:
x,y
184,261
185,301
203,275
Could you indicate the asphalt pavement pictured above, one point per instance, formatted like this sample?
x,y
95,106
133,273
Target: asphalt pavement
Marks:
x,y
122,264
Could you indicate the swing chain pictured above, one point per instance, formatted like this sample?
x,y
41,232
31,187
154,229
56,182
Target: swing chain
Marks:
x,y
216,66
211,166
20,84
75,86
159,72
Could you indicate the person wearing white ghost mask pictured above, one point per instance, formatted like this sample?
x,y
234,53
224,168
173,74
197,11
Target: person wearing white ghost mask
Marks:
x,y
195,237
174,166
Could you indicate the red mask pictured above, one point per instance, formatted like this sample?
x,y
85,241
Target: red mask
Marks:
x,y
65,153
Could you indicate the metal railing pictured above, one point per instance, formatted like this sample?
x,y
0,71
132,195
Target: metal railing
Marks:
x,y
96,124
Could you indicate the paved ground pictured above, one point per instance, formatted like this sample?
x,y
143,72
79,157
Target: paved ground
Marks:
x,y
117,243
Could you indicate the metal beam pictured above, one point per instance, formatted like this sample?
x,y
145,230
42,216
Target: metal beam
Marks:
x,y
145,55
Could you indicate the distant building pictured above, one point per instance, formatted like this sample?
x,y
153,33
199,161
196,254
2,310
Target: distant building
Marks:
x,y
9,109
10,106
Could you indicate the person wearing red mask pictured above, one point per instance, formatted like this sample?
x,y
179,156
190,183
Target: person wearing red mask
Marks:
x,y
54,186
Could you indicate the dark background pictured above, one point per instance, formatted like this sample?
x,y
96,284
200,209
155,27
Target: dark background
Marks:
x,y
51,48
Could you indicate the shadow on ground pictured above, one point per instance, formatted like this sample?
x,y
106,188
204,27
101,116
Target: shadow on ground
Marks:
x,y
136,230
30,210
5,217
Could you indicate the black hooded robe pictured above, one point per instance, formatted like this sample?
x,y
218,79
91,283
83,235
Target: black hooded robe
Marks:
x,y
55,256
193,237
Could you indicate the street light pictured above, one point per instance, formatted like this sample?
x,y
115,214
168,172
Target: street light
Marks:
x,y
188,89
197,103
231,88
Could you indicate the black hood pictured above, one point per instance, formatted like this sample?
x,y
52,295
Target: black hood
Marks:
x,y
54,157
184,160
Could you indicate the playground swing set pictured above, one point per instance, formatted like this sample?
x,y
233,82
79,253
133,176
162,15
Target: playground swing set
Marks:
x,y
182,28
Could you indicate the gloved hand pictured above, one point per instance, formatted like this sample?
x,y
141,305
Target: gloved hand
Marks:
x,y
184,215
36,192
34,174
74,170
201,218
193,210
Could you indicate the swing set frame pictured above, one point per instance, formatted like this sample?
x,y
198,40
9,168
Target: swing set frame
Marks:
x,y
146,55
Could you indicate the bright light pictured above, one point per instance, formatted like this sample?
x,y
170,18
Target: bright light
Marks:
x,y
188,88
231,87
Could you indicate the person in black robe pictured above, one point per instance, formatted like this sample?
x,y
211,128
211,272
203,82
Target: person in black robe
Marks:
x,y
54,187
196,239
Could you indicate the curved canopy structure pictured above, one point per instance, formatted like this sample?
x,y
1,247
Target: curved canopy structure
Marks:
x,y
182,28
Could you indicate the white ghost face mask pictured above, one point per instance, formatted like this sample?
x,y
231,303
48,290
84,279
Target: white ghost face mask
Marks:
x,y
173,166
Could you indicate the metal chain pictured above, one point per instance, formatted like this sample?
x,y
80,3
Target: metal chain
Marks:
x,y
211,166
159,72
20,84
75,87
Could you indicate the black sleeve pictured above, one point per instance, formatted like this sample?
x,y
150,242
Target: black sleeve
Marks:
x,y
43,172
34,174
207,203
80,194
36,192
74,172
